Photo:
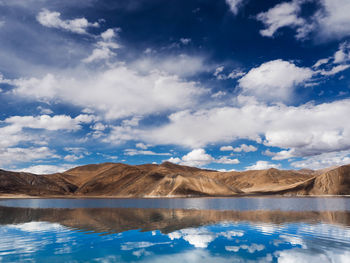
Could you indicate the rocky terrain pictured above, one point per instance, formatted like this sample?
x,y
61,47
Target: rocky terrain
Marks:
x,y
171,180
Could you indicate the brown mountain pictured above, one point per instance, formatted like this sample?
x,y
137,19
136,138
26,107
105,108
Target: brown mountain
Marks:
x,y
171,180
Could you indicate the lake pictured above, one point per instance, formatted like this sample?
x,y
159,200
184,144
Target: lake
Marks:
x,y
175,230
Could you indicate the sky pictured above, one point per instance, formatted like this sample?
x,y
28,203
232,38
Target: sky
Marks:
x,y
224,85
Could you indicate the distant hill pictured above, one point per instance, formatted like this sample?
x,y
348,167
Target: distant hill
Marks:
x,y
172,180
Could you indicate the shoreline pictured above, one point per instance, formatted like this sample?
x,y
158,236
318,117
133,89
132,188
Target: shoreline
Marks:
x,y
23,196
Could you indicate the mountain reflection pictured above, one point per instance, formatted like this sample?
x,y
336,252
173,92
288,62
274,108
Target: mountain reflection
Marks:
x,y
116,220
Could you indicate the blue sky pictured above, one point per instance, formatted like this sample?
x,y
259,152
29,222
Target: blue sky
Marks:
x,y
235,84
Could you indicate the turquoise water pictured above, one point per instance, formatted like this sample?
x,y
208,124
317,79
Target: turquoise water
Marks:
x,y
175,230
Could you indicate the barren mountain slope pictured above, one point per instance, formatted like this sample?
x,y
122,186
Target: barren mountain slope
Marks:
x,y
32,184
167,179
255,181
152,180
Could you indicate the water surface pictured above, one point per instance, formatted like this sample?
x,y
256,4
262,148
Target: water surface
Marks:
x,y
175,230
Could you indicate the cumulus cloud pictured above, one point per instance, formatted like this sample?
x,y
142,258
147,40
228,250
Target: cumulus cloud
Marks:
x,y
141,146
117,92
15,131
262,165
181,65
220,75
282,15
324,160
226,148
305,130
334,70
15,154
241,148
45,169
57,122
53,19
44,111
132,152
334,20
245,148
234,5
331,21
274,80
335,64
343,54
198,157
104,49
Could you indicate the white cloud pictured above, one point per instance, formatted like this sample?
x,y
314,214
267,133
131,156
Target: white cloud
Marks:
x,y
141,146
72,157
176,160
104,49
132,152
343,54
333,65
282,15
17,154
218,72
226,160
324,160
301,130
181,65
100,53
232,248
198,157
16,132
234,5
245,148
282,155
274,80
226,148
218,94
334,70
117,92
44,111
331,21
45,169
109,34
334,20
321,62
236,74
262,165
53,20
57,122
99,126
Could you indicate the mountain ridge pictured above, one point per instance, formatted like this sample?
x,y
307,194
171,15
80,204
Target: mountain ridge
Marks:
x,y
173,180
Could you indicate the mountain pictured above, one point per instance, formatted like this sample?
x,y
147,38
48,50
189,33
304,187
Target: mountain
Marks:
x,y
172,180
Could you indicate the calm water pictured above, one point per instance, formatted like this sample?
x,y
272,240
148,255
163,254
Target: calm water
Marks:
x,y
175,230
